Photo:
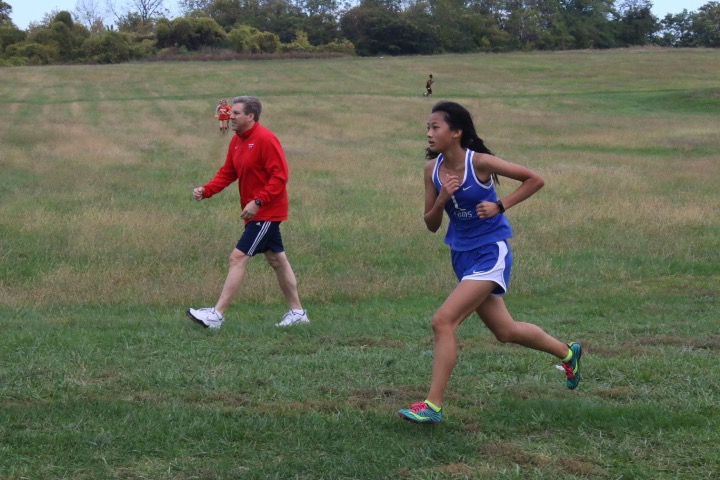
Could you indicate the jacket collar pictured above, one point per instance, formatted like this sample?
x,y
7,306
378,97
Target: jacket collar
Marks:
x,y
244,135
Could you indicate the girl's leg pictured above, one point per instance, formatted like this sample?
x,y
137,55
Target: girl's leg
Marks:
x,y
497,318
465,299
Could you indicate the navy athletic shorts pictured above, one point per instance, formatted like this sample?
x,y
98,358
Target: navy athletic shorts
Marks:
x,y
259,237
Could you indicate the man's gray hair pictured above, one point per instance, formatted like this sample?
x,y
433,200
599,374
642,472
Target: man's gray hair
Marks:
x,y
250,105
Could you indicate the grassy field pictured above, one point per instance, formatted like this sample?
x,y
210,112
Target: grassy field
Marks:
x,y
102,249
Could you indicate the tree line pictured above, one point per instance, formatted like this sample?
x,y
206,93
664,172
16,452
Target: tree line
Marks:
x,y
368,28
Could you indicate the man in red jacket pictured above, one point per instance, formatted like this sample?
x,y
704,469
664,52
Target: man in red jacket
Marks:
x,y
256,160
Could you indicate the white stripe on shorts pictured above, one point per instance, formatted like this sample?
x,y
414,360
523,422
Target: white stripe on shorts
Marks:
x,y
263,231
495,274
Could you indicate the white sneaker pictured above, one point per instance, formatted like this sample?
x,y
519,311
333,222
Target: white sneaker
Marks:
x,y
293,317
207,317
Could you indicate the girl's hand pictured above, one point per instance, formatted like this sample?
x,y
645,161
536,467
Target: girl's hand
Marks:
x,y
450,186
487,209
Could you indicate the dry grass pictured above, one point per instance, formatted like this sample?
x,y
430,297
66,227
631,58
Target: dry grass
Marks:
x,y
100,169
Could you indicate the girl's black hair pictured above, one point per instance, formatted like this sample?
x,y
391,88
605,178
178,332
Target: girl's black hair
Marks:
x,y
459,118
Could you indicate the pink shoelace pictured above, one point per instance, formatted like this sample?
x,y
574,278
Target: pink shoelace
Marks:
x,y
418,407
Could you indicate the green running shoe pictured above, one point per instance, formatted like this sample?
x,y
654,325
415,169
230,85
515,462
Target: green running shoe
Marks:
x,y
572,368
421,413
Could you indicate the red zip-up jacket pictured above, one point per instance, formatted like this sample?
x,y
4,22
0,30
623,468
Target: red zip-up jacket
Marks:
x,y
256,159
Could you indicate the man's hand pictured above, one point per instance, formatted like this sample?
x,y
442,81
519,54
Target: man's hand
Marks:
x,y
249,211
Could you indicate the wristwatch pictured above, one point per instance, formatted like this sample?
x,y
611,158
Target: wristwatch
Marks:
x,y
258,202
499,204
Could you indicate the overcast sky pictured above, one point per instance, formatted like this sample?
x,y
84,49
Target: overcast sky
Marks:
x,y
26,11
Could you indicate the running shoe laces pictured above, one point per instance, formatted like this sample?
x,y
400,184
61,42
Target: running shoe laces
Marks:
x,y
572,367
418,407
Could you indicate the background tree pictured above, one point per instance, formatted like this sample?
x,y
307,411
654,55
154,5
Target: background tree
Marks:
x,y
637,24
320,20
361,25
524,23
588,22
418,15
368,27
191,33
190,6
62,36
241,37
265,42
132,22
90,13
319,7
228,13
706,25
5,12
555,33
147,9
280,17
299,44
107,47
677,30
9,34
136,16
321,28
32,53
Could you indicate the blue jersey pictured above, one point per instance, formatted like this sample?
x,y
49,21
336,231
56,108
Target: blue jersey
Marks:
x,y
466,231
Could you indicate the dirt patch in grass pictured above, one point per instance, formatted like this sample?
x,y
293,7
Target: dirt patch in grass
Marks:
x,y
711,342
627,349
618,393
578,467
508,454
362,342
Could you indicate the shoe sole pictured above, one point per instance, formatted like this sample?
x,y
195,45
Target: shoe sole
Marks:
x,y
196,320
298,322
412,420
